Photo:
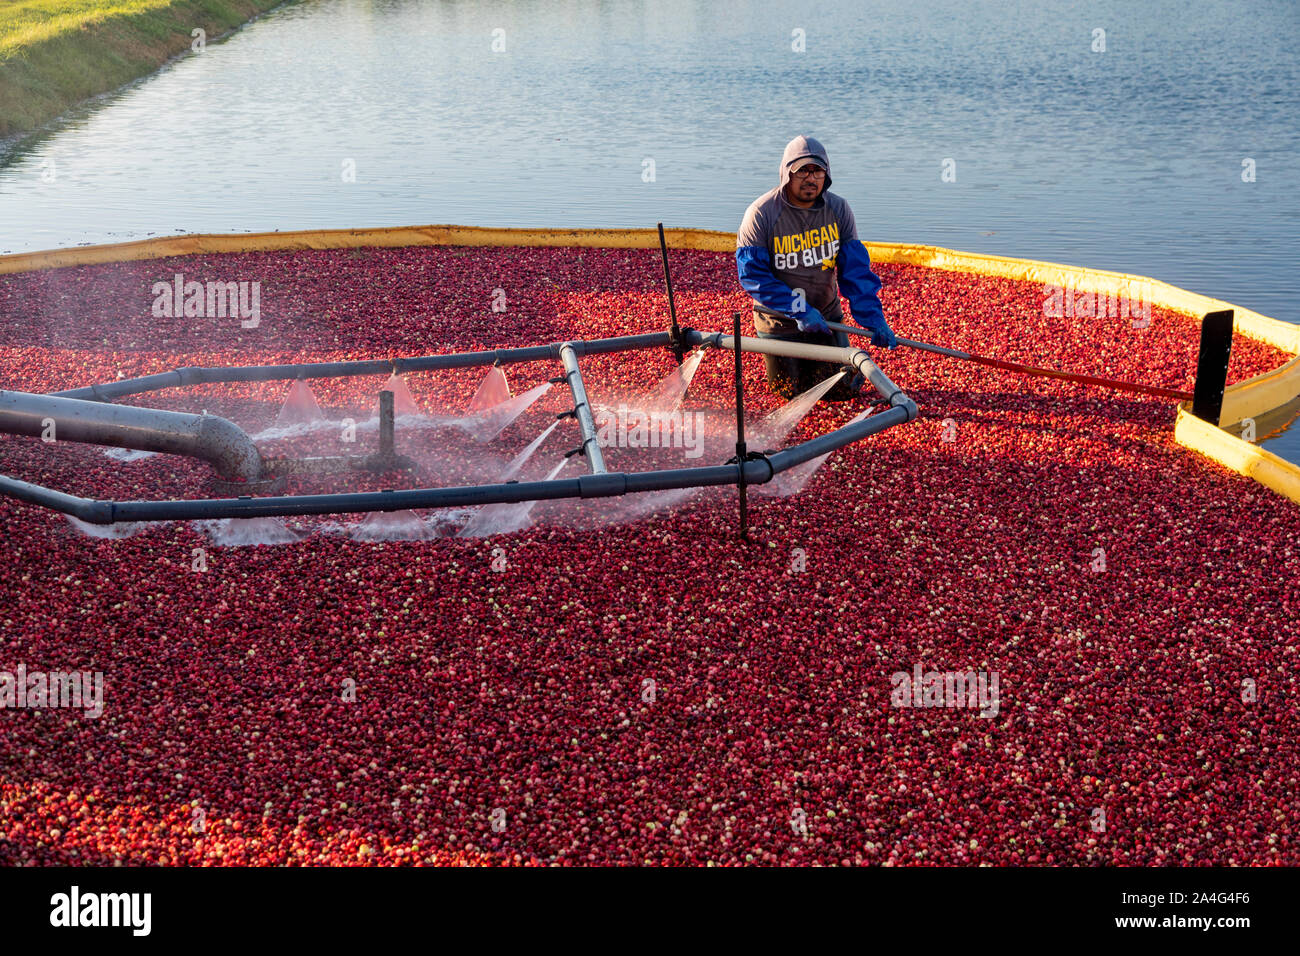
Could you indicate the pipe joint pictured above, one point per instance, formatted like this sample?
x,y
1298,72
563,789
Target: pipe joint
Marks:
x,y
602,485
228,448
762,471
899,400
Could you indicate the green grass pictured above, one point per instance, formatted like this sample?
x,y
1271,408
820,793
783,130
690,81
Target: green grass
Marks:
x,y
56,53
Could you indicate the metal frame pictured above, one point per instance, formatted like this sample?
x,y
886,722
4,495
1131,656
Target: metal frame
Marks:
x,y
582,409
157,428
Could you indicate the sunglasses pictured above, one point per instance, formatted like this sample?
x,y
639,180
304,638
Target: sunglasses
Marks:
x,y
811,172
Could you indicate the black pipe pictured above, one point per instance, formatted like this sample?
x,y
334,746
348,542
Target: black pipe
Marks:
x,y
425,363
182,377
586,486
741,452
674,330
788,458
95,512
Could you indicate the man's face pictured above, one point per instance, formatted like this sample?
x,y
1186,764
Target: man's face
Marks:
x,y
807,182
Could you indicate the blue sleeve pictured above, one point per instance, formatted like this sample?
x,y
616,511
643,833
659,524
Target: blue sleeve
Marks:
x,y
860,284
756,277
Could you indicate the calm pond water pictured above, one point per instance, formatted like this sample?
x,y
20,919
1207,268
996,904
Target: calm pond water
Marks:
x,y
1128,158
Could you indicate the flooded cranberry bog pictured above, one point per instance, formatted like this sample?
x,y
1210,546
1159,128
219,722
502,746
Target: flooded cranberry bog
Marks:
x,y
626,679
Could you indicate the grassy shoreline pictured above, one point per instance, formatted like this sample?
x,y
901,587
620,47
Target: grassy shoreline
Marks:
x,y
57,53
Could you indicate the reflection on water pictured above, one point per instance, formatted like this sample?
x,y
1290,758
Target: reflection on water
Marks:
x,y
1278,431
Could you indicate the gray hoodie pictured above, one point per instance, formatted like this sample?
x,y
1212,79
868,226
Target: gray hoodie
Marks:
x,y
789,258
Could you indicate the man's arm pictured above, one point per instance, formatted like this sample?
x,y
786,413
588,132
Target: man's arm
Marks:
x,y
754,267
861,286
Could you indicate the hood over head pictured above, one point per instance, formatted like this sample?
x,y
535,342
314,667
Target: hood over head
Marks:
x,y
801,150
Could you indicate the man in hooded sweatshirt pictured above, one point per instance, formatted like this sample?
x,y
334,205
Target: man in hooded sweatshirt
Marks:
x,y
795,242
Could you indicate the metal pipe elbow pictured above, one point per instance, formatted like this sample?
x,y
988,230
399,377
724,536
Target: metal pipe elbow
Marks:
x,y
903,401
228,449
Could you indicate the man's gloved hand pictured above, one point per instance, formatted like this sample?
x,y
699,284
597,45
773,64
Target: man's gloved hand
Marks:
x,y
884,337
812,321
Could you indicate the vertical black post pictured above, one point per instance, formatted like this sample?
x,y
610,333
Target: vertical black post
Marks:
x,y
1212,365
673,329
386,446
741,452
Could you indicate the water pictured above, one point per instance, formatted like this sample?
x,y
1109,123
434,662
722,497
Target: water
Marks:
x,y
773,429
115,531
403,403
505,518
128,454
661,401
300,407
792,482
492,408
1128,159
402,525
485,424
492,391
248,532
517,463
668,395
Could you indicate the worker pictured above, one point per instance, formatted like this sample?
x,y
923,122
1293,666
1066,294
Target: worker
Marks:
x,y
795,242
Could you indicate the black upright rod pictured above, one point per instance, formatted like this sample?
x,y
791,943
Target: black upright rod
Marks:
x,y
674,329
741,451
387,447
